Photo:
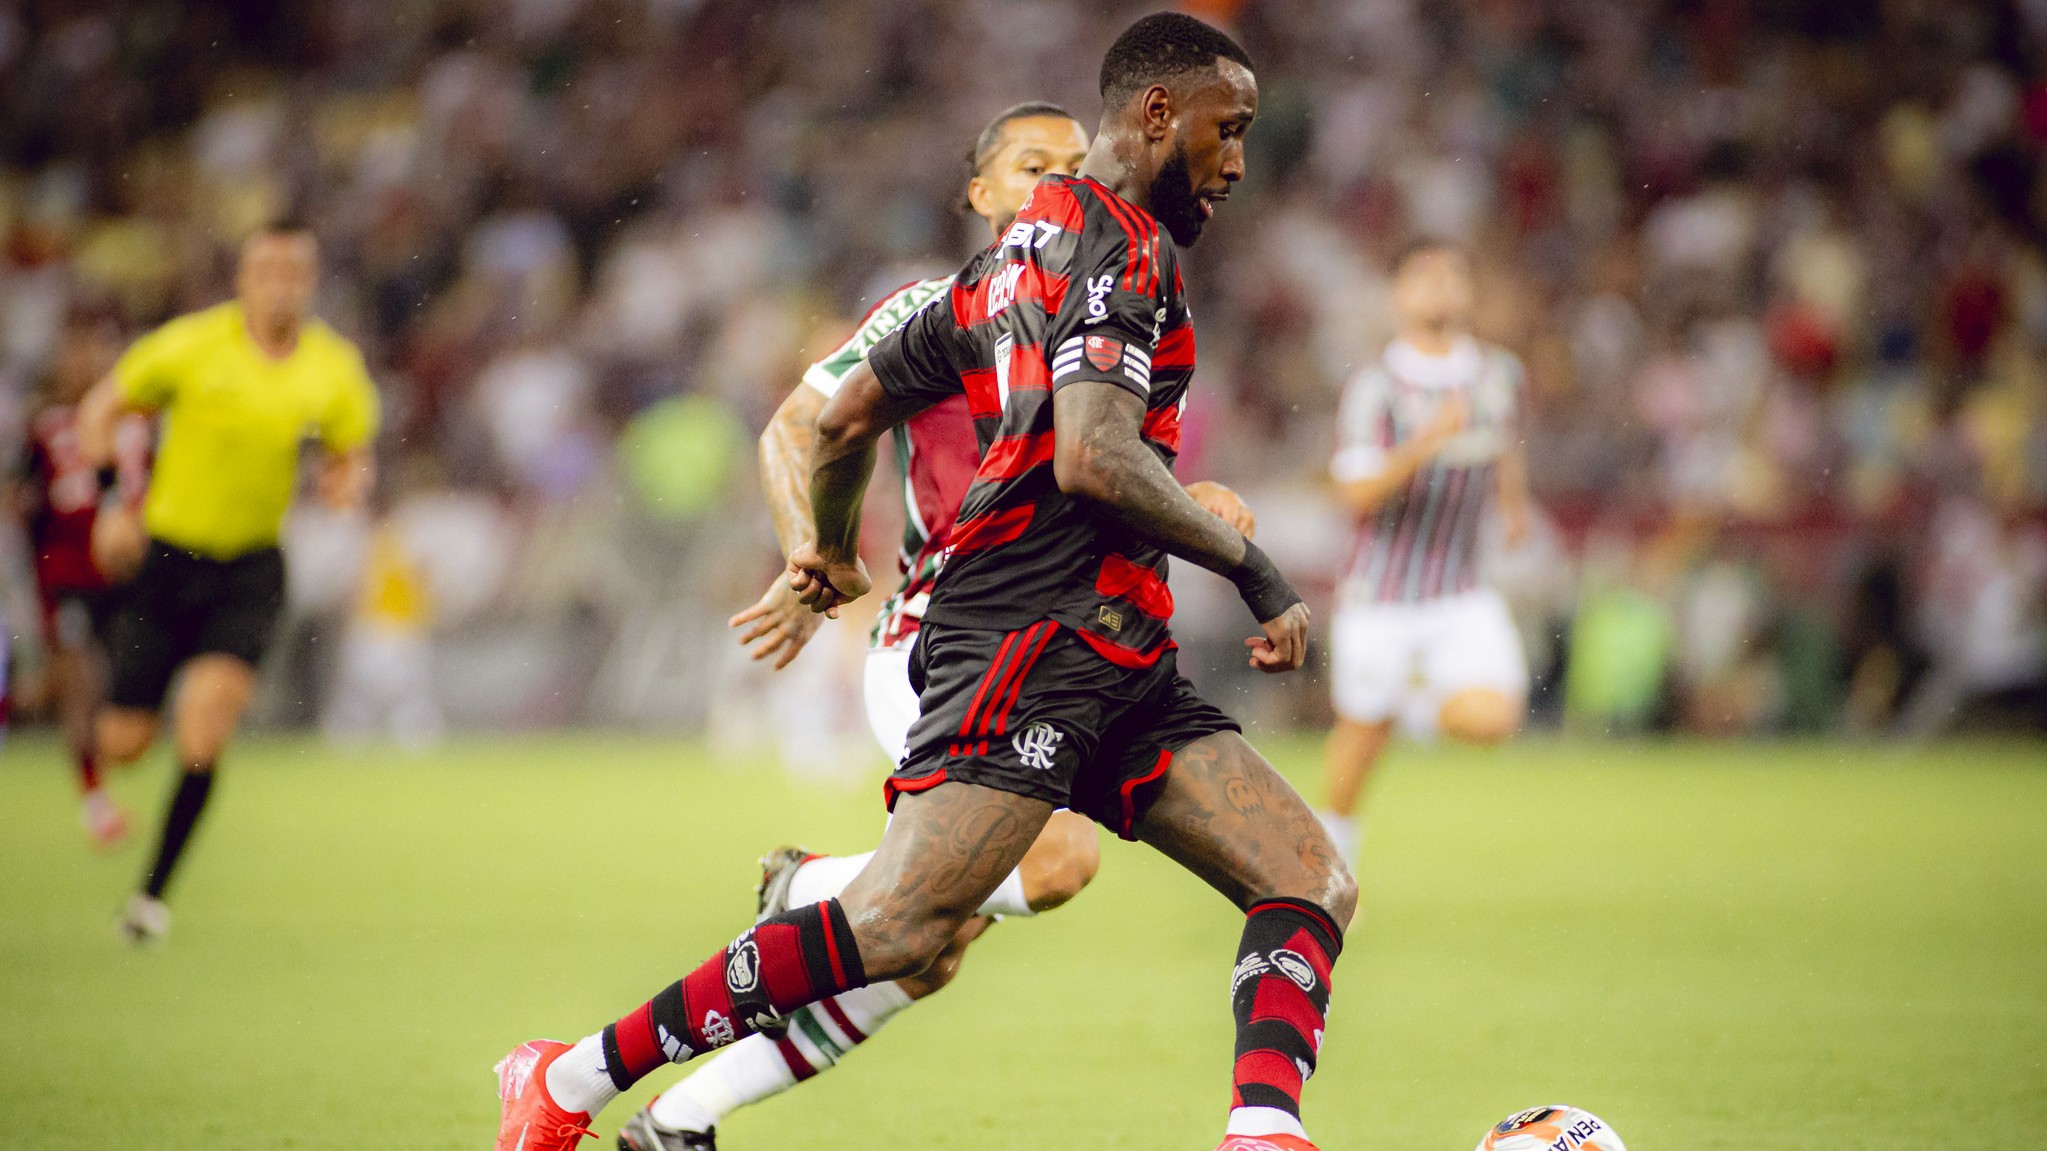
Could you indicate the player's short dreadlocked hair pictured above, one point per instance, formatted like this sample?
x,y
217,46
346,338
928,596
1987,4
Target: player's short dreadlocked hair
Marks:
x,y
991,136
1163,46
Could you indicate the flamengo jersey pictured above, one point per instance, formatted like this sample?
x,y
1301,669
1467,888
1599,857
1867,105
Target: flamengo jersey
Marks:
x,y
1081,288
935,451
1422,543
67,495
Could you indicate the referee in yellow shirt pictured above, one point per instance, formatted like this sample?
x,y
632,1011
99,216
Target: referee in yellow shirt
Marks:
x,y
240,387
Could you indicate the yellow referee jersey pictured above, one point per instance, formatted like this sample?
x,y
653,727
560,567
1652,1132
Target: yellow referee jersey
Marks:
x,y
234,418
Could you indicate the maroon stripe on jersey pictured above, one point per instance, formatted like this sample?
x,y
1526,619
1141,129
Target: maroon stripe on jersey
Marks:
x,y
1022,672
984,398
1175,350
1012,456
891,294
995,671
1162,426
1436,552
990,530
1136,583
1403,543
798,1065
1122,656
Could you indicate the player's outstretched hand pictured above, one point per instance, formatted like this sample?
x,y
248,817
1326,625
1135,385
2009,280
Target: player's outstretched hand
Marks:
x,y
1225,505
824,586
1285,643
780,624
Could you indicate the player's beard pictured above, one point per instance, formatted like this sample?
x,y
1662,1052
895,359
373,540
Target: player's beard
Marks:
x,y
1173,202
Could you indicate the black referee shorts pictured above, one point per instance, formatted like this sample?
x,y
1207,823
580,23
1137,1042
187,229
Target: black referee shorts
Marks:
x,y
1038,712
182,605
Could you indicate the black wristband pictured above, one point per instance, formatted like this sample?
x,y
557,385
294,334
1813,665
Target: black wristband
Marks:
x,y
1265,591
109,477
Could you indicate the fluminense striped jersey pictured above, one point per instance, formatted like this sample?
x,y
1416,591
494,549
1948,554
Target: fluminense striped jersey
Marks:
x,y
936,453
1081,288
1423,542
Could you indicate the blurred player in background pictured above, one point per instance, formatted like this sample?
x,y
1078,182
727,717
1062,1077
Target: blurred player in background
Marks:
x,y
1046,670
937,453
241,385
1428,437
59,499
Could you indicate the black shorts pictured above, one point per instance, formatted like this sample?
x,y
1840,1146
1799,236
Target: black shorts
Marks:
x,y
76,617
1038,712
182,605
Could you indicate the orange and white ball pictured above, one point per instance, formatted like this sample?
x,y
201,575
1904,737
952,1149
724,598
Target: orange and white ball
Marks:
x,y
1557,1128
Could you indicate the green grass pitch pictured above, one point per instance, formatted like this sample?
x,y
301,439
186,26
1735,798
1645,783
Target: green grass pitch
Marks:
x,y
1805,946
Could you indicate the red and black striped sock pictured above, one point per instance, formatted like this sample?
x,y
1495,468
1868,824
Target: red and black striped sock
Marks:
x,y
1280,993
773,968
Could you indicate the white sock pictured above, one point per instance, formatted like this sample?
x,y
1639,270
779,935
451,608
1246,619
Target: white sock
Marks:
x,y
824,878
578,1081
757,1067
1263,1121
1008,899
1346,832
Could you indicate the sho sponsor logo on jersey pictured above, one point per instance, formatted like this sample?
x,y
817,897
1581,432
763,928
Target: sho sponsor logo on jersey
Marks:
x,y
1037,744
1098,290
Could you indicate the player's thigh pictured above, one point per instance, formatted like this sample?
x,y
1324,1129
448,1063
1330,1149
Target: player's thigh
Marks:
x,y
1473,645
212,696
891,701
1371,660
946,849
1224,814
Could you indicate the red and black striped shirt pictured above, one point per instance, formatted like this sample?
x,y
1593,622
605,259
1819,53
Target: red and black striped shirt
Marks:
x,y
1084,286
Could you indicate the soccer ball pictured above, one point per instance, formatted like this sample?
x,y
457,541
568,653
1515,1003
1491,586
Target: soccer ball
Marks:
x,y
1557,1128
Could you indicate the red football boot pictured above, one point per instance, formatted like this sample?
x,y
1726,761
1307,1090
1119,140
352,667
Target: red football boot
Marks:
x,y
1266,1143
532,1121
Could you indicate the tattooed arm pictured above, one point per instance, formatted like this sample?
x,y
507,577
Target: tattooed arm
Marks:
x,y
1099,455
826,572
778,625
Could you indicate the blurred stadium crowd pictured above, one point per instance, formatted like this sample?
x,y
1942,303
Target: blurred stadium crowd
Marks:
x,y
1775,270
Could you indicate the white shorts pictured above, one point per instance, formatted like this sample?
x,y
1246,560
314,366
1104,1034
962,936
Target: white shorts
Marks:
x,y
1402,660
891,701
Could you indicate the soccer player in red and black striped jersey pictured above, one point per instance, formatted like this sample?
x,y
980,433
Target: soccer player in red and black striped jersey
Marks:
x,y
938,454
1047,675
59,495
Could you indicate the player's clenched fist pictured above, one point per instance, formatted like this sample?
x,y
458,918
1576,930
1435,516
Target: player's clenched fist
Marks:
x,y
825,585
1284,644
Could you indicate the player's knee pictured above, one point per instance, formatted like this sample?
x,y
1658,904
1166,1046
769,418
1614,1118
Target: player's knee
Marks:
x,y
122,735
1064,861
946,967
1480,715
898,939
